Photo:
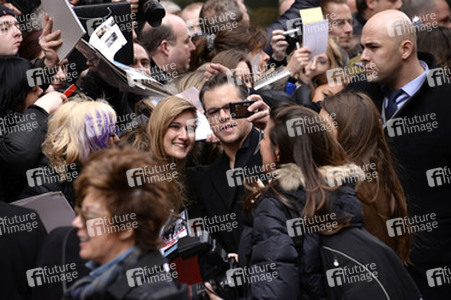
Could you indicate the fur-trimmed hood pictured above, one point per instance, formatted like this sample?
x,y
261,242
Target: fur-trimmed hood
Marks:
x,y
290,176
343,200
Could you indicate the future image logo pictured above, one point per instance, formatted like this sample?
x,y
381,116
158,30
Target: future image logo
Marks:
x,y
92,24
351,174
337,77
412,125
304,225
438,176
402,27
36,77
50,275
50,175
344,76
438,76
151,275
438,276
153,174
41,76
114,224
413,224
237,176
214,224
18,223
240,276
349,275
308,125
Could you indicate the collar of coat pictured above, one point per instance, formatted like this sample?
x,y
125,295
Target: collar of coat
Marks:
x,y
290,176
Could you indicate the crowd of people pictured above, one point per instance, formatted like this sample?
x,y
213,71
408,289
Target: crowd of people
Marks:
x,y
329,182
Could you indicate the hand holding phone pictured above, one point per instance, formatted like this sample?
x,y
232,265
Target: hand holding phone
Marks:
x,y
260,117
238,110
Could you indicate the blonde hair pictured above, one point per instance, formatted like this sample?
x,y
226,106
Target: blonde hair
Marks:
x,y
192,79
160,119
334,55
78,129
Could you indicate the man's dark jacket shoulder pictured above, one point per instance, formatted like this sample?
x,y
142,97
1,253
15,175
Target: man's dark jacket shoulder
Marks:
x,y
216,194
21,234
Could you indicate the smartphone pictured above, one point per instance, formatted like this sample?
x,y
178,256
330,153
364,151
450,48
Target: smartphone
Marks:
x,y
239,110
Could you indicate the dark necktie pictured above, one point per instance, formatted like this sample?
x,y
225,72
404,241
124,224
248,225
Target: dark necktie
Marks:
x,y
392,95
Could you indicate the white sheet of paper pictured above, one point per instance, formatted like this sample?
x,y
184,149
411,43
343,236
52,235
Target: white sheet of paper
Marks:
x,y
108,39
65,20
315,36
192,95
203,128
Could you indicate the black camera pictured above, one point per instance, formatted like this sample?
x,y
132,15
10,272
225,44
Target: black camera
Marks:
x,y
220,285
217,264
213,260
152,11
293,34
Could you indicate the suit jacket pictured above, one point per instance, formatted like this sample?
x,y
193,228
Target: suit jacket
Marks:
x,y
422,159
218,194
21,235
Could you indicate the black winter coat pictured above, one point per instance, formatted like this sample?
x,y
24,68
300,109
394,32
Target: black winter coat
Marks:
x,y
265,240
51,182
20,149
21,235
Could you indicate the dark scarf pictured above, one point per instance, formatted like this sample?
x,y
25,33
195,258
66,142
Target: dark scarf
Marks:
x,y
88,287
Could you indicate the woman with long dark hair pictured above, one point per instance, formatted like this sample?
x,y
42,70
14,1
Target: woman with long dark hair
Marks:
x,y
23,124
304,159
363,140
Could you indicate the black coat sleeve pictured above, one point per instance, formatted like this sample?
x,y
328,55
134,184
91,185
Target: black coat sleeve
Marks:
x,y
274,251
20,147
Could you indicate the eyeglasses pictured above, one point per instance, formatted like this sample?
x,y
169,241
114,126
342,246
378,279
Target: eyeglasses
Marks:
x,y
214,111
86,215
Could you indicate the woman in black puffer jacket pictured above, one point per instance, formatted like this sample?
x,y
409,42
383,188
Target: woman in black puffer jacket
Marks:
x,y
309,169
